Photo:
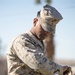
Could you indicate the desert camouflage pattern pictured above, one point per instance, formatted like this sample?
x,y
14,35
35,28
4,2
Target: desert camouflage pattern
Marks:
x,y
49,18
26,56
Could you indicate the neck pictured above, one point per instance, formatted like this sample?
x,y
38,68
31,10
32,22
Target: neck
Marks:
x,y
33,31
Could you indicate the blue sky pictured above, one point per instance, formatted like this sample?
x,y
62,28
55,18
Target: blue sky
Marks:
x,y
16,16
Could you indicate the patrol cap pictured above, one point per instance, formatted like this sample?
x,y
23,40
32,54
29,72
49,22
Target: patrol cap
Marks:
x,y
49,17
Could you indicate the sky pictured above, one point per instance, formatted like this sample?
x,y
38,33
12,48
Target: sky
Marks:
x,y
16,17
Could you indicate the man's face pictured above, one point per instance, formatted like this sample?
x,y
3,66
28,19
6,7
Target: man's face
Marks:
x,y
40,32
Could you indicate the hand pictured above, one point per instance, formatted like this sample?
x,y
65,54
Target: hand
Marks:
x,y
66,70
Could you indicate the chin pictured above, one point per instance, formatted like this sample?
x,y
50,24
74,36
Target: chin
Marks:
x,y
43,39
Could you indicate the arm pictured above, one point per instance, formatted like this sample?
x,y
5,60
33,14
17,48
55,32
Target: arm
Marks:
x,y
35,60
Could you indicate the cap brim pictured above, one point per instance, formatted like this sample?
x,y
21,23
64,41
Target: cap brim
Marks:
x,y
47,27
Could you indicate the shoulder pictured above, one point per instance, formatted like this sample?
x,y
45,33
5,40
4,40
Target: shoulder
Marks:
x,y
20,37
16,39
25,40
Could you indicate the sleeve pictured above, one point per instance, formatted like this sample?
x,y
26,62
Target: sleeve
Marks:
x,y
35,60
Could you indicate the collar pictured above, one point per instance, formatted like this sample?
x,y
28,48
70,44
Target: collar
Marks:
x,y
37,40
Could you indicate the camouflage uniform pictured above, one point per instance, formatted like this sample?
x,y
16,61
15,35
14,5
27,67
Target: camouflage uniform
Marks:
x,y
26,57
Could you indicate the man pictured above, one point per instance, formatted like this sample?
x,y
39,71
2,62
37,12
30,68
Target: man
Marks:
x,y
26,54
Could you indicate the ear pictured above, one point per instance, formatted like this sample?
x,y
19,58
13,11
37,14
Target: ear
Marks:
x,y
35,21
